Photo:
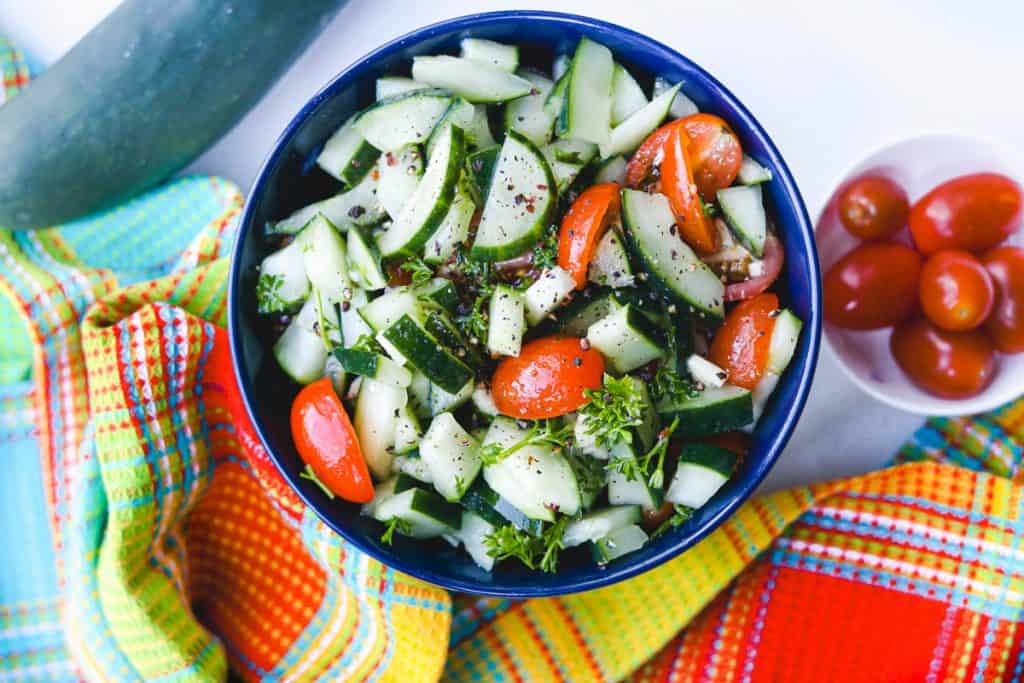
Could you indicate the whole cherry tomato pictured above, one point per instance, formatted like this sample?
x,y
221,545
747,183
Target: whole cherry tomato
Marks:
x,y
715,151
972,212
584,223
741,344
547,379
949,365
326,442
677,183
955,290
873,207
1006,324
872,287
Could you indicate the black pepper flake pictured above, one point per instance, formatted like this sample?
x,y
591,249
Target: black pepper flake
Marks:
x,y
356,211
577,361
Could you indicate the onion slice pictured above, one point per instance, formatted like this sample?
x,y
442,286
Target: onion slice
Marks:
x,y
774,257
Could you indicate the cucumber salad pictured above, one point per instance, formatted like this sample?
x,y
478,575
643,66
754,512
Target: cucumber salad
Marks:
x,y
537,314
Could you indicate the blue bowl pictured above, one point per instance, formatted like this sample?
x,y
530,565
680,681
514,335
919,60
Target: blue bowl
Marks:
x,y
289,180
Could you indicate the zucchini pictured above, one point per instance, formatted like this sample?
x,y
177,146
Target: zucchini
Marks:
x,y
115,127
714,410
505,57
703,469
403,119
425,354
347,156
475,81
743,209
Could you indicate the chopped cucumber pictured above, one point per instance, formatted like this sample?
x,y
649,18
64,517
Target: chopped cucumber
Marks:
x,y
300,351
617,543
473,534
476,81
610,265
452,455
442,401
743,209
426,355
753,173
587,112
419,396
374,366
471,118
551,290
282,285
387,309
596,525
483,401
352,324
358,206
627,96
555,102
586,442
566,159
612,170
628,135
413,467
560,65
505,57
325,258
506,322
627,339
762,391
481,171
625,491
400,173
785,336
403,119
347,155
576,317
439,291
364,260
703,469
704,371
407,431
427,514
454,229
681,104
388,86
484,501
714,410
378,407
527,115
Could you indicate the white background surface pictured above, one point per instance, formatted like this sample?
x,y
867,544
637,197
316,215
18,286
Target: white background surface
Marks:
x,y
829,81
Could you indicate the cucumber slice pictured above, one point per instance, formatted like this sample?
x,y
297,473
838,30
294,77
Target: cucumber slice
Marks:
x,y
400,173
533,478
387,309
483,401
624,491
471,118
429,204
282,285
628,135
441,292
412,467
419,396
743,208
548,292
376,417
587,112
612,170
753,173
481,169
555,102
407,431
325,258
560,65
449,336
506,322
358,206
352,324
403,119
610,265
347,155
452,455
681,104
671,265
485,502
427,514
426,355
442,401
627,96
388,86
591,478
627,339
576,317
301,352
364,260
527,115
454,229
505,57
519,203
648,429
704,371
475,81
785,336
763,391
566,159
473,534
703,469
374,366
617,543
596,525
714,410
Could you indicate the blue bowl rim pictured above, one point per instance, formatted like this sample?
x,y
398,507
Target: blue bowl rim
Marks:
x,y
793,196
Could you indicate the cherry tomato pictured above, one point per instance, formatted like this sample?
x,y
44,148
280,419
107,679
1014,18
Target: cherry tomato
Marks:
x,y
678,185
946,364
873,207
642,161
715,152
873,286
955,290
1006,324
972,212
740,346
582,227
737,442
547,379
327,442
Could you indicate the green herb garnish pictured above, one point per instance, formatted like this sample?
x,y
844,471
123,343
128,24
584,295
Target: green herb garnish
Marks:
x,y
671,388
534,552
421,272
542,432
545,254
680,514
474,324
268,296
392,525
635,469
309,474
613,411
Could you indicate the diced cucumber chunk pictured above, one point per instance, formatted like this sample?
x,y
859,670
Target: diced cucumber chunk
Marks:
x,y
627,339
483,401
743,209
442,401
282,285
585,441
785,336
519,203
560,65
681,104
587,112
352,324
763,391
388,308
336,373
627,96
407,431
471,118
704,371
425,354
703,469
300,351
527,115
598,524
364,260
714,410
346,155
555,102
452,455
374,366
403,119
325,258
753,173
612,170
388,86
671,265
413,467
484,501
400,173
625,491
550,291
628,135
377,409
473,534
610,265
419,395
576,317
619,542
358,206
476,81
506,322
454,229
441,292
505,57
427,514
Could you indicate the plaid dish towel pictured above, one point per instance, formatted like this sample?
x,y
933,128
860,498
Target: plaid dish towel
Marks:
x,y
146,536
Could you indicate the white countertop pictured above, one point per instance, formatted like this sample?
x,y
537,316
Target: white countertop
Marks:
x,y
830,82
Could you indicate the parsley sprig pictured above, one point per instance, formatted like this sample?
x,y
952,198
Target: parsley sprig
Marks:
x,y
670,387
533,551
420,271
391,526
268,295
542,432
635,469
613,411
545,254
680,514
309,474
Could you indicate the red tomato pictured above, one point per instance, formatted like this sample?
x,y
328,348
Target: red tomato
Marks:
x,y
547,379
873,207
1006,324
740,347
737,442
582,227
946,364
639,166
678,185
955,290
327,442
972,212
715,152
873,286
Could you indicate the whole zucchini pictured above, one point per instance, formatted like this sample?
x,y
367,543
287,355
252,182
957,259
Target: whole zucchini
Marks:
x,y
139,97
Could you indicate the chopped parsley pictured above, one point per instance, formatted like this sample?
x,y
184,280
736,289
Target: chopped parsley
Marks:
x,y
613,411
545,254
268,293
309,474
671,388
420,271
392,525
680,514
635,469
534,552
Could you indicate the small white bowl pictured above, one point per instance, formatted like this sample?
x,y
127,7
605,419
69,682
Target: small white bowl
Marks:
x,y
918,164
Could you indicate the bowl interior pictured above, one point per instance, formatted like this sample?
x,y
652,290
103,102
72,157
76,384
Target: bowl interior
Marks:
x,y
918,164
289,180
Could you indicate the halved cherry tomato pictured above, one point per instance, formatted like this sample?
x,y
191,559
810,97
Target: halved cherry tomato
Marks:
x,y
972,212
547,379
740,347
873,207
872,287
946,364
640,164
737,442
1006,324
678,185
715,152
584,223
327,442
956,291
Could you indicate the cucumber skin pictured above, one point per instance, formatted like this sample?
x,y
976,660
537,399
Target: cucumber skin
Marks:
x,y
485,502
420,347
713,419
115,127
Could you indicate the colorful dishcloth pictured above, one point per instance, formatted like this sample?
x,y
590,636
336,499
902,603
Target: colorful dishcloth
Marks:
x,y
146,536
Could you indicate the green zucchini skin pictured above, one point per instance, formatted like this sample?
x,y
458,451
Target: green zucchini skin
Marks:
x,y
139,97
